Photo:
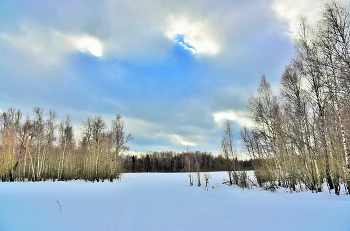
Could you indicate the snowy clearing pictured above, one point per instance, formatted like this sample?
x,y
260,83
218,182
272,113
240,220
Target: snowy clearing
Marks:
x,y
165,201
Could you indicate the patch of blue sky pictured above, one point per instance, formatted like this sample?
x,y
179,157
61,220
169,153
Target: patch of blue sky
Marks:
x,y
181,40
147,91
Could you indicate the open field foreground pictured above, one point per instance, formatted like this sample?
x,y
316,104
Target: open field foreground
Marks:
x,y
165,201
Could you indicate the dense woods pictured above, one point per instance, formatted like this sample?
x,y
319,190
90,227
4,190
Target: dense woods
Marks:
x,y
302,134
186,161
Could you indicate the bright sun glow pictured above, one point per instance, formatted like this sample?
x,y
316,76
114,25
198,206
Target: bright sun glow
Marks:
x,y
88,44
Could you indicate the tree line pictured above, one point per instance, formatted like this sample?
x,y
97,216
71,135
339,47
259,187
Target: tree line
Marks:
x,y
187,161
35,147
302,133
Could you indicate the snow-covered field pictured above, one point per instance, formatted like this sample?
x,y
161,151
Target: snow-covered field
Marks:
x,y
165,201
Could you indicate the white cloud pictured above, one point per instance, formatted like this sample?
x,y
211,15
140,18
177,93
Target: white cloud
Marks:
x,y
198,35
87,43
291,10
238,117
38,49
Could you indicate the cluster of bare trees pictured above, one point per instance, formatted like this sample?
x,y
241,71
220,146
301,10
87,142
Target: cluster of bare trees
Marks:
x,y
301,135
237,174
37,148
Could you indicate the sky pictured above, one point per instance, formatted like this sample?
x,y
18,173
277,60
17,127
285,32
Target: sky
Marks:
x,y
174,70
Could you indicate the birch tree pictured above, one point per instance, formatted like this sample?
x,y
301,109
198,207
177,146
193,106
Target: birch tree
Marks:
x,y
66,137
229,152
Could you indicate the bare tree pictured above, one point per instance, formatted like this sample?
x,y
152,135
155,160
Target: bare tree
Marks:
x,y
229,152
265,112
11,150
206,176
120,145
310,58
189,164
198,168
66,137
334,40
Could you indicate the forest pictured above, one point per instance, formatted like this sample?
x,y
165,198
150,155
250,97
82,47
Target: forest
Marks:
x,y
186,161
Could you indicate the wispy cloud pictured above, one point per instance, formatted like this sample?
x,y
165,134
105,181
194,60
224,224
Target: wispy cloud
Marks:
x,y
179,140
37,47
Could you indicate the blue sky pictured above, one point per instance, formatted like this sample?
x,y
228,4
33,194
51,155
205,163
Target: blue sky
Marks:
x,y
174,70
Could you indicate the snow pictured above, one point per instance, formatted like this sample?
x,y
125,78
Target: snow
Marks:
x,y
165,201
